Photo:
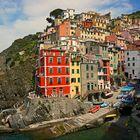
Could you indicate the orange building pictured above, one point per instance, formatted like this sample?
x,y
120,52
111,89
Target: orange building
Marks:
x,y
64,29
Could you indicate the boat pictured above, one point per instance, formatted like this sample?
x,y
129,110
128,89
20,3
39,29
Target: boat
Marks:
x,y
110,117
122,95
98,102
107,95
105,104
128,100
94,109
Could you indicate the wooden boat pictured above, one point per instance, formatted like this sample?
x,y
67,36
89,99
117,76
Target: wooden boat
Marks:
x,y
95,109
110,117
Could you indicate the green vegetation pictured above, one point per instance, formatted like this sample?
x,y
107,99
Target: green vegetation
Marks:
x,y
17,63
53,15
135,15
56,13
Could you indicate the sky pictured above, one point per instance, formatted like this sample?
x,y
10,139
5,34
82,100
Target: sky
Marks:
x,y
19,18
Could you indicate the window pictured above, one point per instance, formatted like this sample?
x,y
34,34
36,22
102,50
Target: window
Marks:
x,y
61,92
77,89
67,60
87,68
111,65
91,75
128,64
61,52
79,80
133,71
73,80
49,51
87,75
59,60
133,58
91,67
51,70
88,86
118,55
77,70
51,80
127,53
91,86
128,59
67,70
50,60
133,64
77,63
100,70
67,80
59,80
72,63
100,77
72,71
59,70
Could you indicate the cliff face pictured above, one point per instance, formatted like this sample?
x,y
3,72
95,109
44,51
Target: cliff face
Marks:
x,y
17,64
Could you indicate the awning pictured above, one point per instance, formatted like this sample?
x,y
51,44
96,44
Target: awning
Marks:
x,y
107,94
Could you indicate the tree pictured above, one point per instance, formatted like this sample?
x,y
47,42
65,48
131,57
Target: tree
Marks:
x,y
53,15
50,20
56,13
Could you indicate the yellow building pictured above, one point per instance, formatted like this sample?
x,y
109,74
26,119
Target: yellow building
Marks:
x,y
100,22
58,21
99,35
75,87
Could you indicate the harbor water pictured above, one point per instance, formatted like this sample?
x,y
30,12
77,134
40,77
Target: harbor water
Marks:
x,y
114,131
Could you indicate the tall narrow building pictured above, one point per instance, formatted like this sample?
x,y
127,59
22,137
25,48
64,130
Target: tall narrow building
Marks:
x,y
53,72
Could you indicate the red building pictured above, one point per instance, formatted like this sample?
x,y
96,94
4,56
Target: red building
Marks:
x,y
106,69
87,24
53,72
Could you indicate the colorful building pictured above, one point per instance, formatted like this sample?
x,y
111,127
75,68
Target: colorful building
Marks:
x,y
89,77
75,82
53,72
64,28
132,62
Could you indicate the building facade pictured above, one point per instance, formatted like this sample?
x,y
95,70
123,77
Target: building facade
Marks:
x,y
53,72
75,82
89,77
132,63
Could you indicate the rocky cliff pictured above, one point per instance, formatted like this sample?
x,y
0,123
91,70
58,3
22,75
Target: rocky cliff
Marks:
x,y
17,64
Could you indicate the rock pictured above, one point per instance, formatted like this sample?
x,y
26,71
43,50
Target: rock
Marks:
x,y
42,109
16,121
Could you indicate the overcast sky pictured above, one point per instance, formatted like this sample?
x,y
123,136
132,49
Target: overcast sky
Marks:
x,y
22,17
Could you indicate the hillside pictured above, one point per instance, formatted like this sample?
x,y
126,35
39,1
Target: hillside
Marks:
x,y
135,15
17,64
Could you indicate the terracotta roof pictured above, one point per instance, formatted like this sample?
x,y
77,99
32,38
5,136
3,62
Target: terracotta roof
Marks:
x,y
133,48
111,38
